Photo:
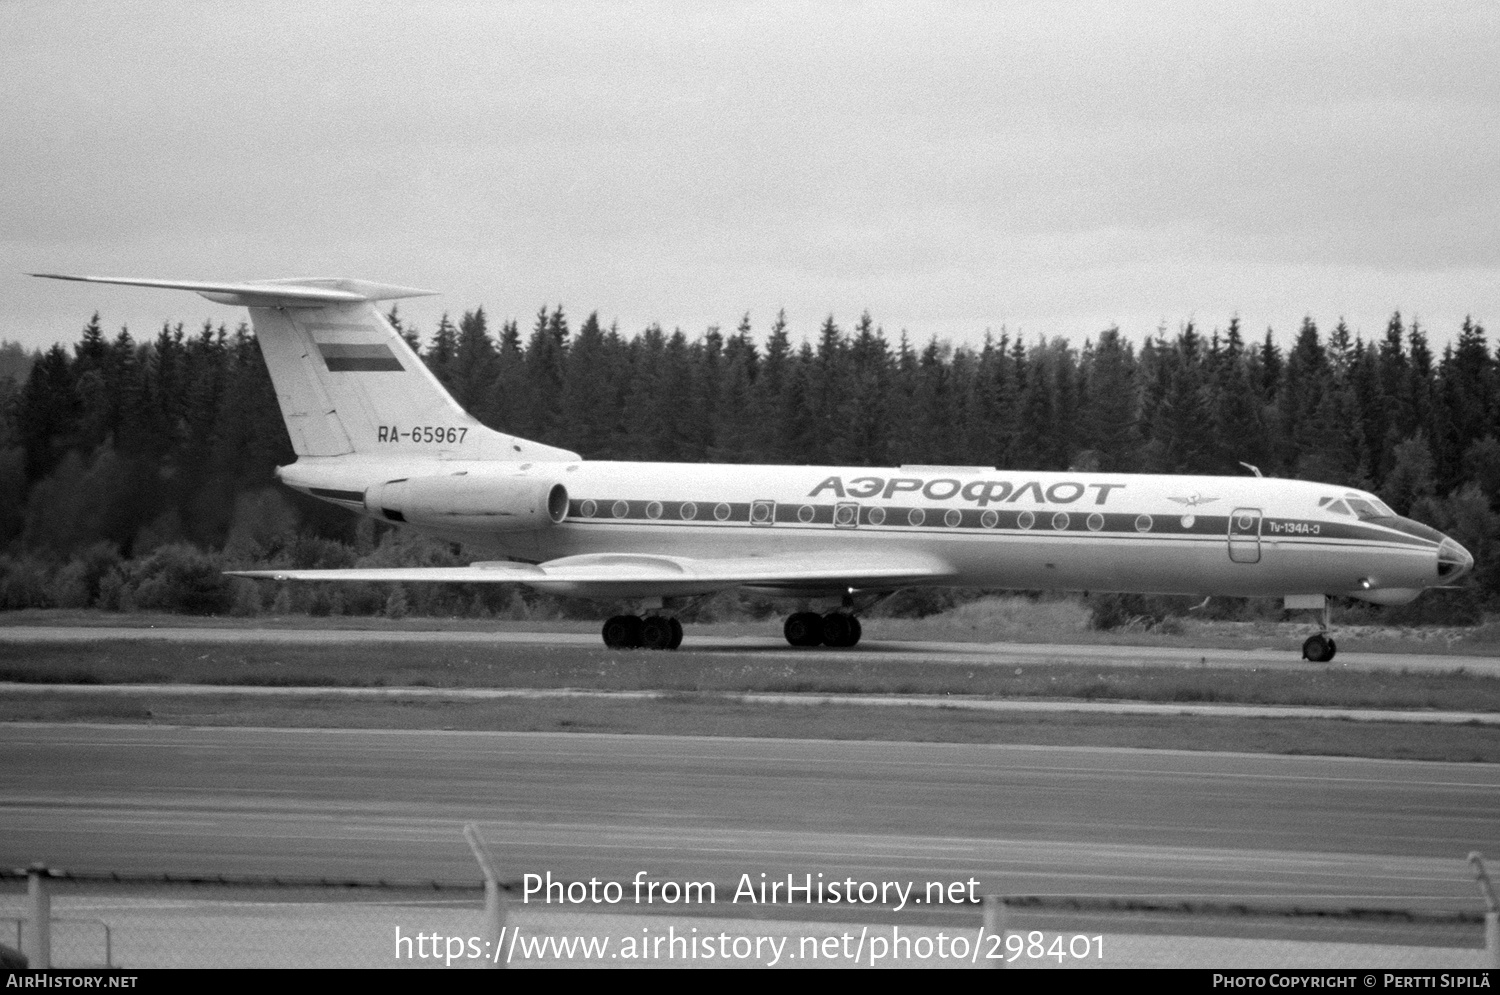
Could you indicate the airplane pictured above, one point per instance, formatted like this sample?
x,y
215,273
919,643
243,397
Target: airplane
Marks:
x,y
376,433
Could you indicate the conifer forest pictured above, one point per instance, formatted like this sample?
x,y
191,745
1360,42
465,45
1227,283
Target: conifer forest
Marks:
x,y
134,470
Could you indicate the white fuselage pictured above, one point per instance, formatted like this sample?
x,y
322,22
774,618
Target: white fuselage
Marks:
x,y
1241,536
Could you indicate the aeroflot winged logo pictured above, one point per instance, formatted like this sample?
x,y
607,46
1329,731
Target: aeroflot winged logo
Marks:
x,y
981,492
1193,500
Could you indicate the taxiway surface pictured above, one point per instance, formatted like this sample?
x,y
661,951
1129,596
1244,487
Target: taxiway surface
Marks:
x,y
360,804
959,653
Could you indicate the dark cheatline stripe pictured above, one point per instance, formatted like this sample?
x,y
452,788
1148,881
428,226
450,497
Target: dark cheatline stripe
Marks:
x,y
341,358
1007,520
329,492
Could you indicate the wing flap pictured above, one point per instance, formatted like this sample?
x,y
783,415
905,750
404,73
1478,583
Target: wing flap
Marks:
x,y
618,575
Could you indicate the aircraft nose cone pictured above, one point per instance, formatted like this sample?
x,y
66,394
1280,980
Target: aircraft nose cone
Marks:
x,y
1453,561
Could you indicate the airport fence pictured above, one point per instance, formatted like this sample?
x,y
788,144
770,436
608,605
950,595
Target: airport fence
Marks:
x,y
166,920
163,920
1049,931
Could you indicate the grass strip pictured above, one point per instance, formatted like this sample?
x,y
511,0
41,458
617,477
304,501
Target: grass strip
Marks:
x,y
713,715
539,666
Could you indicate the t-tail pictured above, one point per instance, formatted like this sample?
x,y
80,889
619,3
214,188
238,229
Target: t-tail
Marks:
x,y
346,381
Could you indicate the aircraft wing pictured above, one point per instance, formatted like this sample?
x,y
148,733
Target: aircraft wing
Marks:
x,y
625,575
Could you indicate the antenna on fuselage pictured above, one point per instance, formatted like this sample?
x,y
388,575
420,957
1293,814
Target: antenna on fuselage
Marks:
x,y
1251,467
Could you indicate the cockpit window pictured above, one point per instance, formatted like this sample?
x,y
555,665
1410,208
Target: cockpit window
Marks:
x,y
1368,506
1340,507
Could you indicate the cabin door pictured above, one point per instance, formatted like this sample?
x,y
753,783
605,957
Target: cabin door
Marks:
x,y
1244,535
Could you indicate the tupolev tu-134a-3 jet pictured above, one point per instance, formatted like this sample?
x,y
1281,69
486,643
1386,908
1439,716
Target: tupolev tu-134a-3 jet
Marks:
x,y
376,433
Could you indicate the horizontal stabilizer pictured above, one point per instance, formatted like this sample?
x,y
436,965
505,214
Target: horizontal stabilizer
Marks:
x,y
309,292
623,575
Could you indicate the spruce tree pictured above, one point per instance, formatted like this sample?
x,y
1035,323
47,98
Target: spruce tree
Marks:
x,y
1307,379
92,349
767,395
442,350
1111,405
589,412
733,426
546,357
510,400
474,366
48,412
1466,382
648,416
827,397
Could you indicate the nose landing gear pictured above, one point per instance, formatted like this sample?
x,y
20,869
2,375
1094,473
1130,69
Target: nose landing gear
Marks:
x,y
1321,647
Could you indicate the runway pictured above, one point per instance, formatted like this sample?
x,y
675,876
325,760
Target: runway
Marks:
x,y
1007,654
367,805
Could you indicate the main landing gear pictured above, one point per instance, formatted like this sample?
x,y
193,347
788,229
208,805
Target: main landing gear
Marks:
x,y
654,632
1321,648
836,629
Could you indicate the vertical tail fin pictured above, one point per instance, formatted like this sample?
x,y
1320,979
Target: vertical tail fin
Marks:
x,y
345,380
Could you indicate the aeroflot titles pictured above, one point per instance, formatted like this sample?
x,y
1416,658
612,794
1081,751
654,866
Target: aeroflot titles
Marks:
x,y
980,492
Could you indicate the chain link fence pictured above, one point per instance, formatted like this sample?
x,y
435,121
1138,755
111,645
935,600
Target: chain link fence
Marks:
x,y
166,921
1047,931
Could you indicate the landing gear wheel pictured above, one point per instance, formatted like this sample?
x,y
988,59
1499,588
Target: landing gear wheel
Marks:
x,y
840,630
804,629
836,629
1319,649
676,634
622,632
656,632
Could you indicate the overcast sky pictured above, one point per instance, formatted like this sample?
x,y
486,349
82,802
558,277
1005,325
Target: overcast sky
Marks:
x,y
1053,168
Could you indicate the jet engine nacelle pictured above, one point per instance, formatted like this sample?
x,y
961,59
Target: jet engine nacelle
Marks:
x,y
471,503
